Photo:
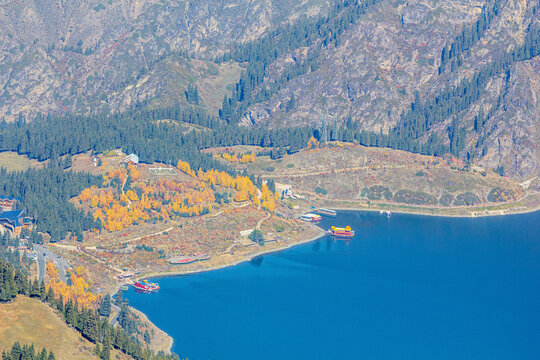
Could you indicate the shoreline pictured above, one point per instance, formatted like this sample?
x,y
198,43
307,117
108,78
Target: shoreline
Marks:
x,y
515,207
478,214
158,275
244,259
321,233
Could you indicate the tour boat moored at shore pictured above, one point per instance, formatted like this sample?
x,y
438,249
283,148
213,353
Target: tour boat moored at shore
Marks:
x,y
327,212
345,232
314,218
146,286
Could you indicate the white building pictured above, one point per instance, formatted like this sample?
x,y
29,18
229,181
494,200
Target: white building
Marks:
x,y
284,189
131,159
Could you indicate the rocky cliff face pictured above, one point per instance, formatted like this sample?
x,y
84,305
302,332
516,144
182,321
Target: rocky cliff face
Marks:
x,y
84,56
394,52
76,56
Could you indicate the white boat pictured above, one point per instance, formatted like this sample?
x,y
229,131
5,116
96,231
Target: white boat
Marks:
x,y
327,212
309,217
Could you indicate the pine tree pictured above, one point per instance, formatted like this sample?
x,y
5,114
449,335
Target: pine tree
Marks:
x,y
106,351
16,351
105,306
42,355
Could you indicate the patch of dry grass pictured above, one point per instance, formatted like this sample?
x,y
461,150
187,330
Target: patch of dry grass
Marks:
x,y
15,162
30,321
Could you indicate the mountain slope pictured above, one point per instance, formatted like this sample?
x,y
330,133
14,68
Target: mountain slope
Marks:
x,y
362,67
59,56
391,58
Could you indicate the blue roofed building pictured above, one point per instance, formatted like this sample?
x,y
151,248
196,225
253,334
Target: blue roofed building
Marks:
x,y
14,221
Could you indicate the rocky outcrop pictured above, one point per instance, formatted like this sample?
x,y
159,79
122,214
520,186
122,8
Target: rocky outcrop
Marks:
x,y
81,56
393,54
84,56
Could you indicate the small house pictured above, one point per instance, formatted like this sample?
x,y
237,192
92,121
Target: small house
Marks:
x,y
7,203
131,159
284,190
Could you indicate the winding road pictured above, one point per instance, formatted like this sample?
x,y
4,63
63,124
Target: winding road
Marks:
x,y
44,255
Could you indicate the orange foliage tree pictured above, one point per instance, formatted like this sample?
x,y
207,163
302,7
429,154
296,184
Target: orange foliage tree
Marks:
x,y
86,194
184,166
78,291
267,199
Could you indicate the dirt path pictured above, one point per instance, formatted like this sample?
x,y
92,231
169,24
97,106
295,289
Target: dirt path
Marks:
x,y
332,171
123,185
258,227
152,234
80,251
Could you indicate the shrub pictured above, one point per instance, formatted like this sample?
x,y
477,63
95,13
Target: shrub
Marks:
x,y
257,236
499,195
321,191
144,247
290,166
377,192
270,168
446,199
414,197
420,173
467,198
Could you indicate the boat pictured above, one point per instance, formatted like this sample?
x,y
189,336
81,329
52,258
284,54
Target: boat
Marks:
x,y
388,213
345,232
309,217
146,286
327,212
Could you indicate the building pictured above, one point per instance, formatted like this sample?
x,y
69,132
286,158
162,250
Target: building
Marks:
x,y
7,203
284,190
14,221
131,159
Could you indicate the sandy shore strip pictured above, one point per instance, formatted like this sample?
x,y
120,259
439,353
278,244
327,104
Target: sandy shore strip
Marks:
x,y
464,211
320,233
243,259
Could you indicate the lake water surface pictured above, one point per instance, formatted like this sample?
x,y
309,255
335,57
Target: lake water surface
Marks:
x,y
406,287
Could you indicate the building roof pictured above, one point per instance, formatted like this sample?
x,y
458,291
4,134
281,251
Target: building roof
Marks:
x,y
2,197
13,217
132,157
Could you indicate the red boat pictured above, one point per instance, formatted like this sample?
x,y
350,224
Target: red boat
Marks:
x,y
145,286
345,232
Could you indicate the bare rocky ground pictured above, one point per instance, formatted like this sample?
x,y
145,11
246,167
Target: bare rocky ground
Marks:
x,y
79,56
145,246
348,175
84,56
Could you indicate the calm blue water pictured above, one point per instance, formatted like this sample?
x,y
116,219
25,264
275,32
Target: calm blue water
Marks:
x,y
407,287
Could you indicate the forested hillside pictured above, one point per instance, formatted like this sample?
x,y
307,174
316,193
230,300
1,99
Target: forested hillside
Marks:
x,y
425,76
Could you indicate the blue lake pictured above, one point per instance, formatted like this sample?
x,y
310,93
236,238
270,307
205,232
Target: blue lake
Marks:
x,y
406,287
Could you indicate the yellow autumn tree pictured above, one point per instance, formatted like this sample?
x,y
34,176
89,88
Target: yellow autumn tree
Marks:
x,y
267,198
132,195
86,194
94,202
184,166
134,173
312,143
